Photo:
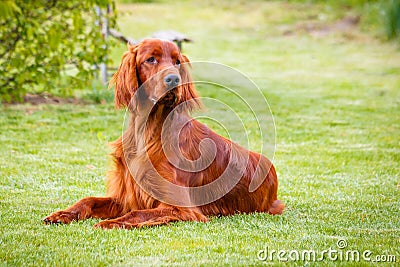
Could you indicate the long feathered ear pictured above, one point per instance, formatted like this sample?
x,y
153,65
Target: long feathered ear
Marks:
x,y
188,96
125,79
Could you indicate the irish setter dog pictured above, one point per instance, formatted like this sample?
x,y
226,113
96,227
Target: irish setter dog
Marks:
x,y
168,166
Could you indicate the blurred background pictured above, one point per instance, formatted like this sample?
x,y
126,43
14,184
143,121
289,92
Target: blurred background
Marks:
x,y
56,48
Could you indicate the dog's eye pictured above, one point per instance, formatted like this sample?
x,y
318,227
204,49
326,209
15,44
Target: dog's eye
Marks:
x,y
178,62
151,60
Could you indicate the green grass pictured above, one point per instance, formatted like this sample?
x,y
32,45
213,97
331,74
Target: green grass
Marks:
x,y
336,105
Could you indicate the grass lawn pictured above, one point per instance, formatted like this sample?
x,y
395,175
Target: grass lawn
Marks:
x,y
335,96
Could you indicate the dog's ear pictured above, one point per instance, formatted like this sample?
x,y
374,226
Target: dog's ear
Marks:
x,y
188,95
125,79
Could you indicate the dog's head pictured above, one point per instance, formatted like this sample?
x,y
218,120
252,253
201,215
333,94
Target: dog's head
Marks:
x,y
154,72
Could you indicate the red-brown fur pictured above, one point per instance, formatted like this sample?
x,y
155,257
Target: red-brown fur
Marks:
x,y
127,204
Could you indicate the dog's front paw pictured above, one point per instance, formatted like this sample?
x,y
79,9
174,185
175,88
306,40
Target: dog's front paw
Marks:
x,y
110,224
62,216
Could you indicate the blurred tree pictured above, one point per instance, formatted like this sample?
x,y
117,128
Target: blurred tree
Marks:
x,y
46,45
392,18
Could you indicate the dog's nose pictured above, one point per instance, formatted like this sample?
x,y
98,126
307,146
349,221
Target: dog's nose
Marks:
x,y
171,80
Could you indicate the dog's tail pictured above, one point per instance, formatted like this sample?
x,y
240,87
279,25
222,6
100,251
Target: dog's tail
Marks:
x,y
277,207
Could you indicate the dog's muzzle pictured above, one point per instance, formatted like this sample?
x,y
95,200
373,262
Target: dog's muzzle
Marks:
x,y
172,80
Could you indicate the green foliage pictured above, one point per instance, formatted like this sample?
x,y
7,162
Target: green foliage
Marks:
x,y
137,1
98,94
349,3
46,45
392,19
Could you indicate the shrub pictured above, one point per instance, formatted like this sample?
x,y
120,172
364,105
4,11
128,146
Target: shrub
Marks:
x,y
48,45
392,19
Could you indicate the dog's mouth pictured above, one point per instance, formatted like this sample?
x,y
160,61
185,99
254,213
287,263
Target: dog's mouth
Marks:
x,y
168,99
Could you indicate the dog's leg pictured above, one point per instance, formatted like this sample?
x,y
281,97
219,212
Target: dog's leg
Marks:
x,y
151,217
90,207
